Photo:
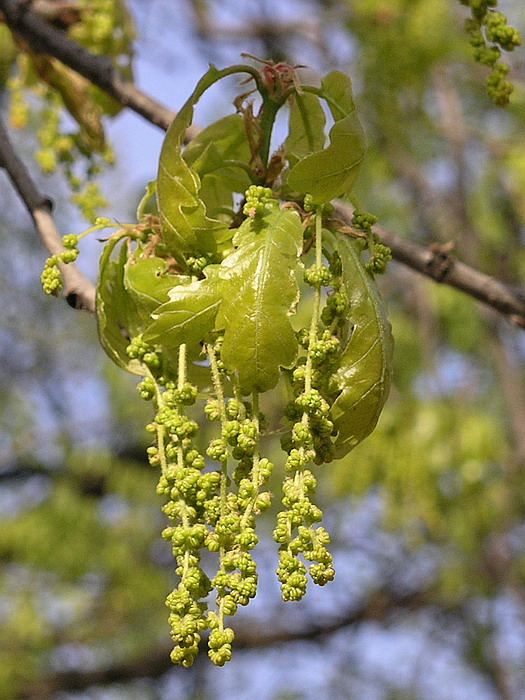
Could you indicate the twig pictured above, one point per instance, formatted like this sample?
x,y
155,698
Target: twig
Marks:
x,y
78,290
436,263
157,662
46,39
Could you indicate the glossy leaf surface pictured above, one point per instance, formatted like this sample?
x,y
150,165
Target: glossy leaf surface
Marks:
x,y
365,367
186,226
117,319
332,172
188,316
260,291
148,284
306,127
212,154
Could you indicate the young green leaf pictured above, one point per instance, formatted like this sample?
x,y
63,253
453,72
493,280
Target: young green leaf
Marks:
x,y
117,318
216,150
189,315
332,172
306,127
365,367
186,225
146,200
148,284
259,292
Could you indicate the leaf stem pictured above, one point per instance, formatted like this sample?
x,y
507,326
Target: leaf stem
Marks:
x,y
317,299
316,311
182,369
255,467
219,393
267,116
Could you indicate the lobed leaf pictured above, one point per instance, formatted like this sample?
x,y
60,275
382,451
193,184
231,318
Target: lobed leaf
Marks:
x,y
362,380
258,295
332,172
189,315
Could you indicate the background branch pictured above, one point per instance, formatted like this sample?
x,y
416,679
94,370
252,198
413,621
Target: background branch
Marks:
x,y
154,664
434,262
46,39
78,289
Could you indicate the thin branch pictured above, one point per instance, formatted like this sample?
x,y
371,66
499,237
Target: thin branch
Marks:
x,y
46,39
155,663
436,263
78,290
209,28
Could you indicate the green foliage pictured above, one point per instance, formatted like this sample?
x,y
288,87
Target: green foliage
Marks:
x,y
215,156
442,469
306,127
186,226
259,293
189,316
331,172
186,286
363,377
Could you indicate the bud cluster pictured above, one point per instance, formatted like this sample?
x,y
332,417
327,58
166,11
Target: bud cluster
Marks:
x,y
490,32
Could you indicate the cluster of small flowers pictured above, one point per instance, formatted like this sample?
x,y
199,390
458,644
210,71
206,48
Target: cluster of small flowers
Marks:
x,y
205,513
326,210
256,199
363,221
51,278
58,147
187,490
380,255
501,36
49,135
310,440
232,516
18,107
89,199
100,29
312,430
295,531
196,265
138,349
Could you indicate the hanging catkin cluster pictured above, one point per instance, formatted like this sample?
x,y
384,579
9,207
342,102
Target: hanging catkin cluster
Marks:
x,y
200,300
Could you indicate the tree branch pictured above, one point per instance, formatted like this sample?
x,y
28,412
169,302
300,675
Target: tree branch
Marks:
x,y
46,39
436,263
154,664
78,290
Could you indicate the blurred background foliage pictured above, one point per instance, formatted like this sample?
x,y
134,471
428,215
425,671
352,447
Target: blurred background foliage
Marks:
x,y
428,514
